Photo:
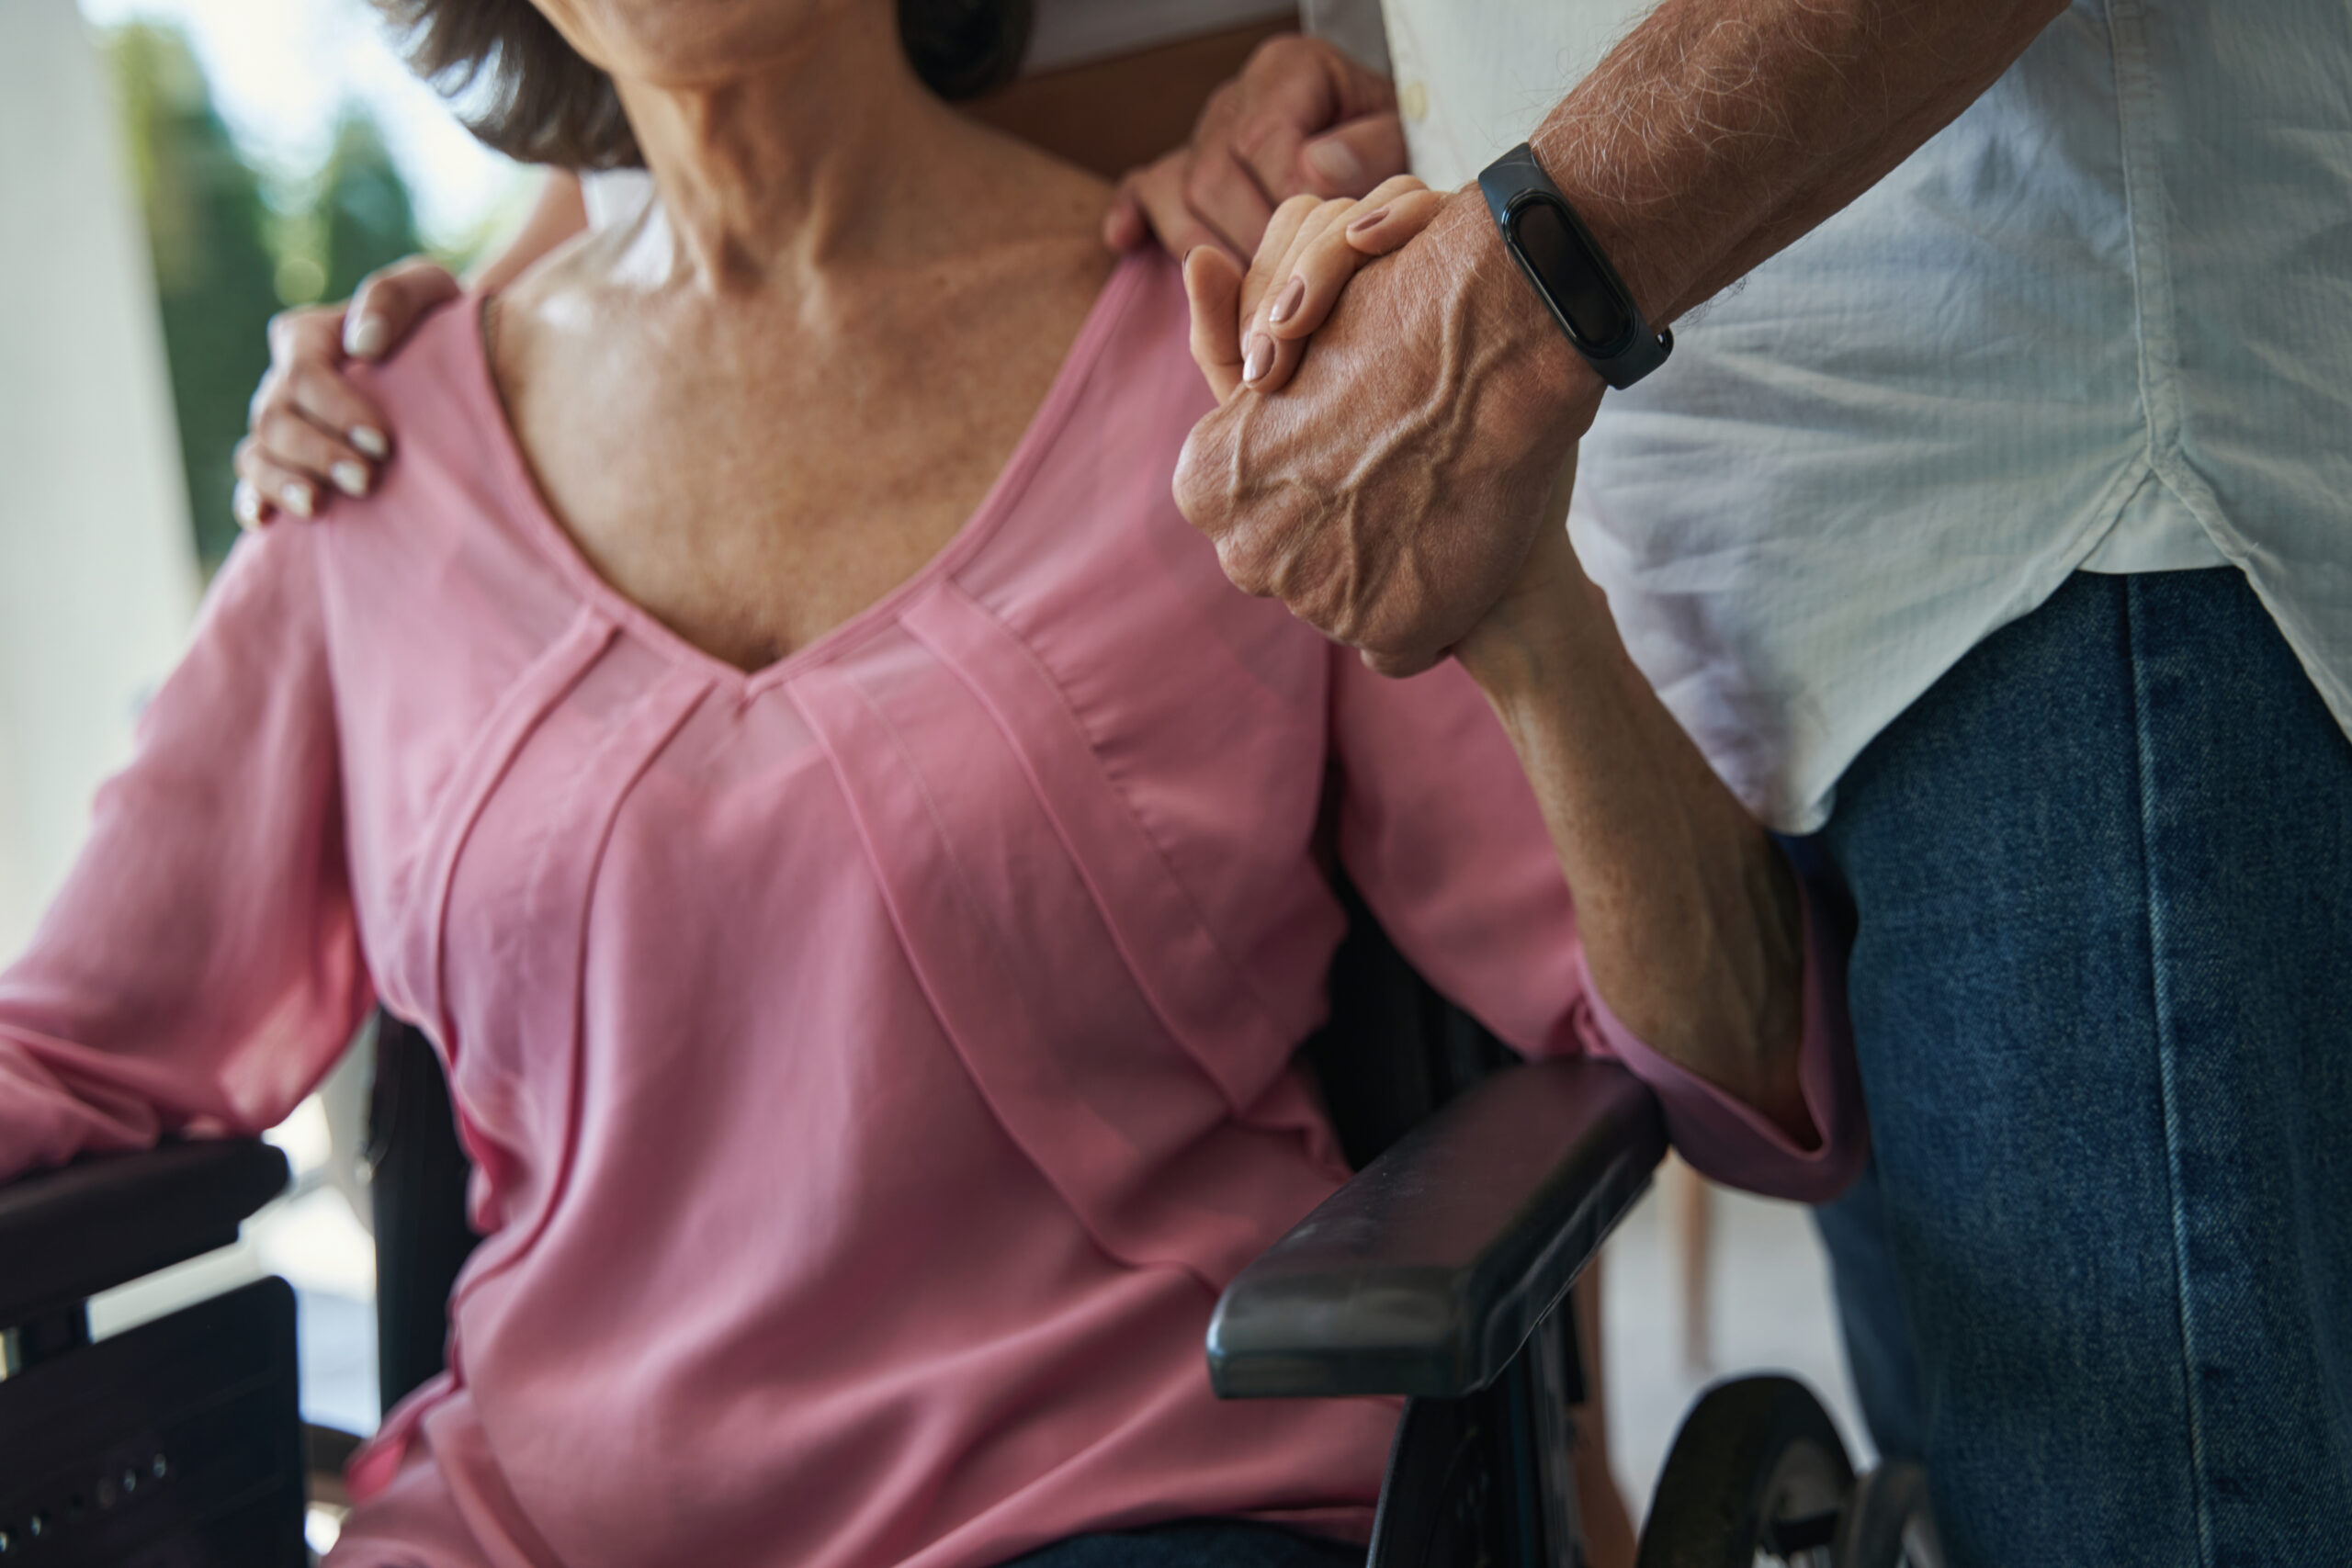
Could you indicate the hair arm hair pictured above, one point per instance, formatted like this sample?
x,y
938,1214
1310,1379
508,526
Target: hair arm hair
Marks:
x,y
1719,131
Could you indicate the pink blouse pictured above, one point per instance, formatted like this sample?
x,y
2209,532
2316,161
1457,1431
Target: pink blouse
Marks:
x,y
874,1066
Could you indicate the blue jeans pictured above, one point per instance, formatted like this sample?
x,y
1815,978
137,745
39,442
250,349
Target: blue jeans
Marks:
x,y
2102,994
1880,1350
1197,1543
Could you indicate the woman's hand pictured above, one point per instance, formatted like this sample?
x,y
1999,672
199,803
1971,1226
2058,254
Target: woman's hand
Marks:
x,y
1249,330
1302,118
310,428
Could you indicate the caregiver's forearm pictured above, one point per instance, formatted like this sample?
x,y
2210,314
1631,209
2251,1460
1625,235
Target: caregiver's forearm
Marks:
x,y
1689,916
1720,130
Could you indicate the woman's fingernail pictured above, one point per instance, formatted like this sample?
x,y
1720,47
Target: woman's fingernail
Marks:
x,y
349,477
1336,162
1258,357
245,502
1287,305
366,337
370,440
297,499
1369,221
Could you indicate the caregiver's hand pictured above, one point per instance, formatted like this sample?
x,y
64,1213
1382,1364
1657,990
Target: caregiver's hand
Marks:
x,y
1302,118
1390,492
308,427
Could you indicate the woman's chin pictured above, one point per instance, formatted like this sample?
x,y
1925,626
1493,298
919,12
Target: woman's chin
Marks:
x,y
689,44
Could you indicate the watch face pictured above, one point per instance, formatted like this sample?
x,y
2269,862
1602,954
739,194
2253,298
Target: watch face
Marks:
x,y
1571,275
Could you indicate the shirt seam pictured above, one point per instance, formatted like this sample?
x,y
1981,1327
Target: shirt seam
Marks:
x,y
688,698
1072,1202
1265,1005
542,686
2168,1045
2155,307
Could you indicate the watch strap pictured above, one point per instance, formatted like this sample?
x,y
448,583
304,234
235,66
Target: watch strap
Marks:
x,y
1513,183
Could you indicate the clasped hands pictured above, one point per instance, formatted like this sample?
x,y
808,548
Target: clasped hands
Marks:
x,y
1391,455
1401,487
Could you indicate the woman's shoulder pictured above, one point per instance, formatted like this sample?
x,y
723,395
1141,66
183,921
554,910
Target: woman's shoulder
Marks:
x,y
1148,330
453,468
434,384
447,424
456,502
1129,394
1093,477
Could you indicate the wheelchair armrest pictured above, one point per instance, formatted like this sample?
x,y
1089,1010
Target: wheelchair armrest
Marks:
x,y
67,1234
1426,1273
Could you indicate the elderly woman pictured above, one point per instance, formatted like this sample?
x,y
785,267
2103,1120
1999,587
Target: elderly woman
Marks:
x,y
860,861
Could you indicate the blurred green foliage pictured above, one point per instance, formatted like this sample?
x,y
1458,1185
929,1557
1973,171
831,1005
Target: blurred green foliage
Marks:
x,y
367,218
227,257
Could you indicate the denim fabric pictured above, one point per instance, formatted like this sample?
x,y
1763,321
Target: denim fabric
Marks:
x,y
2102,993
1197,1544
1880,1350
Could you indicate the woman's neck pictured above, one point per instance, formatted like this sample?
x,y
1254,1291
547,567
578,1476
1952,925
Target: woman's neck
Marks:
x,y
830,156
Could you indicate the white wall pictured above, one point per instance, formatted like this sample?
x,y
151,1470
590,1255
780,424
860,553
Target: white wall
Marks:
x,y
97,577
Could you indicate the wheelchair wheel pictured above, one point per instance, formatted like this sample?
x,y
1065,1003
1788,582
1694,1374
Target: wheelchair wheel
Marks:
x,y
1757,1474
1439,1507
1888,1523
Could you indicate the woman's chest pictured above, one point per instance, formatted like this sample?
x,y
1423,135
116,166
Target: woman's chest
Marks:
x,y
1084,797
755,481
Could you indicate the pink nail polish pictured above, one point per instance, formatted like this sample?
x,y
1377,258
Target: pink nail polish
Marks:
x,y
1287,305
1369,221
1258,357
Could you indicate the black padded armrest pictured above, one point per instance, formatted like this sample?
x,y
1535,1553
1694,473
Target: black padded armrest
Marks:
x,y
67,1234
1426,1273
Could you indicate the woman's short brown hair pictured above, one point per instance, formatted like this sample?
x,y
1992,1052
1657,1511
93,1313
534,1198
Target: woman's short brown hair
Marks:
x,y
535,98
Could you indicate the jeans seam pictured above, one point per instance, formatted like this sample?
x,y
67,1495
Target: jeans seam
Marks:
x,y
2167,1069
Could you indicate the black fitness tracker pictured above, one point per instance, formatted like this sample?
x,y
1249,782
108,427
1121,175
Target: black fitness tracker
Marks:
x,y
1564,262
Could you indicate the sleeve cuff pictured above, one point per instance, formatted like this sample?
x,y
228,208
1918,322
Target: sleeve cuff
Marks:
x,y
1729,1140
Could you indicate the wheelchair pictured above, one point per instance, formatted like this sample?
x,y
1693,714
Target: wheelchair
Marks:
x,y
1440,1273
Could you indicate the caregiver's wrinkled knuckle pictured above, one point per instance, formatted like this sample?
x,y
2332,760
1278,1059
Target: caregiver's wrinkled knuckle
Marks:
x,y
1248,564
1200,486
1344,622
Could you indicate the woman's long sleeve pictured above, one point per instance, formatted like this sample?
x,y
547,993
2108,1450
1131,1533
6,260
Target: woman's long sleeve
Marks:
x,y
1443,837
201,970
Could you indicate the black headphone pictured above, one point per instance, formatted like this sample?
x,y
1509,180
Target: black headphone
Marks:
x,y
963,49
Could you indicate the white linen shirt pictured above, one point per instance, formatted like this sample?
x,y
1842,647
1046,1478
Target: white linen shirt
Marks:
x,y
2103,320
